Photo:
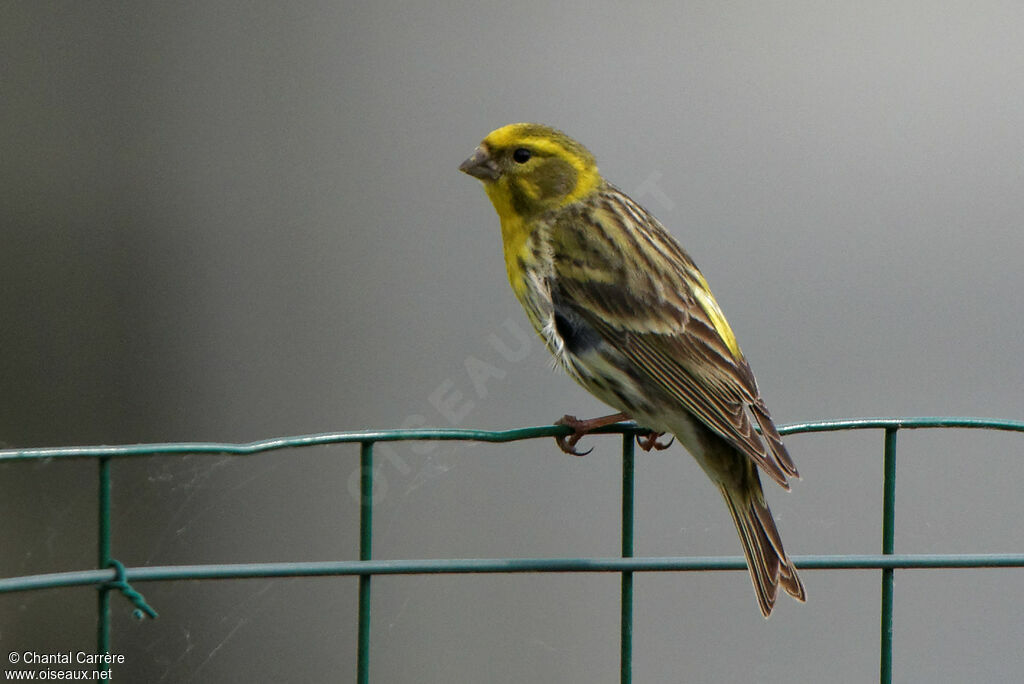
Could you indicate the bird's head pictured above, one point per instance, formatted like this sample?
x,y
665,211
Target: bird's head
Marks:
x,y
528,169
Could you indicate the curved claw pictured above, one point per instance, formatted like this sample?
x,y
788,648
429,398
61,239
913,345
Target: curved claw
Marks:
x,y
650,441
567,443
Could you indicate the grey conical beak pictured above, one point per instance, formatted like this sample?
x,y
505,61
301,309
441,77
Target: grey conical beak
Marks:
x,y
480,165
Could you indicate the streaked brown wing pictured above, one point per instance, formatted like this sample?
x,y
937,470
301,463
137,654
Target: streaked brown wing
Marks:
x,y
643,306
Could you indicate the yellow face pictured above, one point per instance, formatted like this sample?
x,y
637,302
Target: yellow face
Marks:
x,y
528,169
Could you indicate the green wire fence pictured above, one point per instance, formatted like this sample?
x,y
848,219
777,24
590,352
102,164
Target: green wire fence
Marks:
x,y
112,576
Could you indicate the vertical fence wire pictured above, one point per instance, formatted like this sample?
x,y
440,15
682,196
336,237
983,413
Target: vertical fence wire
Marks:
x,y
103,559
888,548
365,553
626,625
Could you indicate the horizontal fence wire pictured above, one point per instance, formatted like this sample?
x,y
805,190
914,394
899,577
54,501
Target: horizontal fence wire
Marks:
x,y
319,439
462,566
456,434
112,576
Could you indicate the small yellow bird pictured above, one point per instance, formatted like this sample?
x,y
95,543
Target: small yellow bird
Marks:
x,y
625,311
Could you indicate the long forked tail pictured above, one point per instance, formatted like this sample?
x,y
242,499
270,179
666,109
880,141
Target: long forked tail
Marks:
x,y
767,561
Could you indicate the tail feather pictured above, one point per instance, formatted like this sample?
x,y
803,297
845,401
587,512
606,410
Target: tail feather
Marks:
x,y
767,561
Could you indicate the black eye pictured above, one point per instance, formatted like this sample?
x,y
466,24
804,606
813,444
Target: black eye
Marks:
x,y
521,155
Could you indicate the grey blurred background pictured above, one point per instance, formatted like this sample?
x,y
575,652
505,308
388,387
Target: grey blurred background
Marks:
x,y
230,222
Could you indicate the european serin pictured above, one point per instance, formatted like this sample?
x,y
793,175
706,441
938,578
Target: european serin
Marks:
x,y
628,315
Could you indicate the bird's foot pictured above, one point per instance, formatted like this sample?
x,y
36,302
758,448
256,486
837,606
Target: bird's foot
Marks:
x,y
650,441
567,443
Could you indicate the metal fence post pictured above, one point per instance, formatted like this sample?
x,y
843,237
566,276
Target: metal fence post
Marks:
x,y
626,626
103,560
888,533
365,553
